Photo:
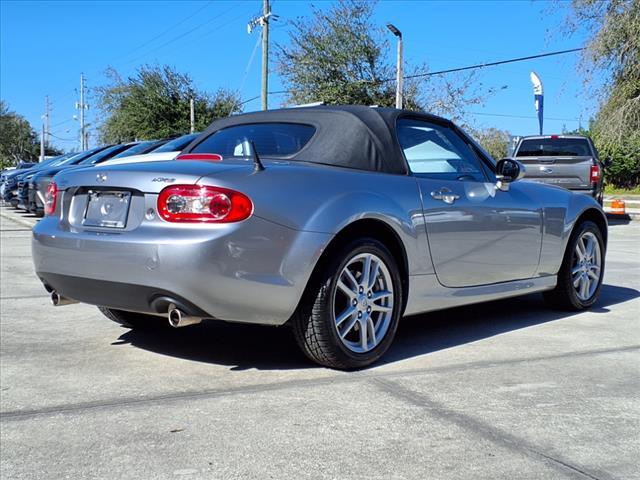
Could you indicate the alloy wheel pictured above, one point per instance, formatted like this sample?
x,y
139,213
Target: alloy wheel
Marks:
x,y
363,303
586,268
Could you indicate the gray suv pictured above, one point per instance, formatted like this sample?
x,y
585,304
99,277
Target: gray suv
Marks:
x,y
569,161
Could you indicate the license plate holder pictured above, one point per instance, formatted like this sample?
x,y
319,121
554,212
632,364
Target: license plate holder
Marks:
x,y
108,209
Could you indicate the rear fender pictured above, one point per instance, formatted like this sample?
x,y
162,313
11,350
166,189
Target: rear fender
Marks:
x,y
407,222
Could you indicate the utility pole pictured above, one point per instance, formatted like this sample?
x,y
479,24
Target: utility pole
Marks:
x,y
44,135
192,115
47,115
265,53
42,143
399,79
82,107
263,21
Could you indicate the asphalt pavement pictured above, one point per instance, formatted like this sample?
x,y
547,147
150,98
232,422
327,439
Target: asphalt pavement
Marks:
x,y
502,390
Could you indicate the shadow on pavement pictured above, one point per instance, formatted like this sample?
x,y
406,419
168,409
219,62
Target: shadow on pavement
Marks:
x,y
266,348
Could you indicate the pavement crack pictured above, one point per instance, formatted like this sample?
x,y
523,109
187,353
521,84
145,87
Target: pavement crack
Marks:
x,y
16,415
21,297
478,427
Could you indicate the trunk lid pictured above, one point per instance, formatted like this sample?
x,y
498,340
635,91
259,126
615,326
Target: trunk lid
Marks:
x,y
149,177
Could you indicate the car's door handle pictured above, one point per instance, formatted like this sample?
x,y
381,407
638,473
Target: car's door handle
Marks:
x,y
444,194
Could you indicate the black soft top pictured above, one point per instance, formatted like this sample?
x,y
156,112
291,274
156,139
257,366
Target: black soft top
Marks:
x,y
350,136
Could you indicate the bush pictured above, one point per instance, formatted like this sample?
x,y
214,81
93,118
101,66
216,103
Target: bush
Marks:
x,y
624,171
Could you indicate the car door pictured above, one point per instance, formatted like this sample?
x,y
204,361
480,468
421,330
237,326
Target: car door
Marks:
x,y
477,234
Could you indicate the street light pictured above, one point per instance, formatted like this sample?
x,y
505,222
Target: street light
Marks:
x,y
398,34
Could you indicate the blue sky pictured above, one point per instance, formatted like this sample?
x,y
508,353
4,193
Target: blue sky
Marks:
x,y
46,45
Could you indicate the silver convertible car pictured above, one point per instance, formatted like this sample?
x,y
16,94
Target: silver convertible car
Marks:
x,y
336,221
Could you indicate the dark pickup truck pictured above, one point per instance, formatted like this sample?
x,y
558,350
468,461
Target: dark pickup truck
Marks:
x,y
569,161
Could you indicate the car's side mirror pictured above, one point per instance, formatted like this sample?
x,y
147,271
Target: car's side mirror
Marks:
x,y
508,170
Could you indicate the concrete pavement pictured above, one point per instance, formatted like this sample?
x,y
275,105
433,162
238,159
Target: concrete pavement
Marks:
x,y
508,389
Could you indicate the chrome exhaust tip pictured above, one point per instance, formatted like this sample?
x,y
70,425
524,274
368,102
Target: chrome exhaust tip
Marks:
x,y
58,300
177,318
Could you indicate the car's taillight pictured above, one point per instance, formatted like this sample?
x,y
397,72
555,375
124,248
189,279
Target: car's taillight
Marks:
x,y
51,199
202,157
595,173
203,203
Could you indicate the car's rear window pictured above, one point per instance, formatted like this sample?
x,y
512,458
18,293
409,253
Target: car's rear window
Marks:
x,y
554,147
270,139
139,149
103,155
177,144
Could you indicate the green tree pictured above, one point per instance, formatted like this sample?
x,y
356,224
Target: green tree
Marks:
x,y
18,141
340,56
155,103
494,141
613,51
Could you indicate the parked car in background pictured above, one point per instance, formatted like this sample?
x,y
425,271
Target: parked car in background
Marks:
x,y
23,179
141,148
39,183
568,161
19,166
9,179
335,221
167,151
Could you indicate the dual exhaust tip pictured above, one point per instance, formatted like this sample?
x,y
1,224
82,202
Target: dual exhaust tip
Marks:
x,y
177,318
58,300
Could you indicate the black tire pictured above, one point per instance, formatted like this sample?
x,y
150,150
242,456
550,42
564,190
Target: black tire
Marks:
x,y
564,296
133,319
314,324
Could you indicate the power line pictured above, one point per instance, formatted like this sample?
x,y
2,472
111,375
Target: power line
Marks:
x,y
182,35
151,40
251,57
63,139
62,123
258,96
490,64
224,25
522,116
452,70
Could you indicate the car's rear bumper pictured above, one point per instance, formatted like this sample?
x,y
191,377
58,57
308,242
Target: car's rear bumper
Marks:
x,y
36,204
254,271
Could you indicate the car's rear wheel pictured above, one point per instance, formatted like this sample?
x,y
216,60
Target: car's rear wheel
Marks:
x,y
580,276
133,319
350,312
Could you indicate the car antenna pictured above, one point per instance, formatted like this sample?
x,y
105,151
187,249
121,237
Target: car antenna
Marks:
x,y
257,164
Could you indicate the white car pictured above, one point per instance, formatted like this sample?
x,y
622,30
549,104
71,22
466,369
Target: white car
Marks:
x,y
147,157
167,151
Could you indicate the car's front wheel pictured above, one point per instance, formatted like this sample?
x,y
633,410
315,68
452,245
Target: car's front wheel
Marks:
x,y
350,314
580,276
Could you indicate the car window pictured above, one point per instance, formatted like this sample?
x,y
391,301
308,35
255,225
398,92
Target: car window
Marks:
x,y
554,147
177,144
436,150
104,155
140,148
270,139
76,159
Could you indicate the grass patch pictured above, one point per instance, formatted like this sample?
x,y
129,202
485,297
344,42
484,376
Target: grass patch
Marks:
x,y
611,190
